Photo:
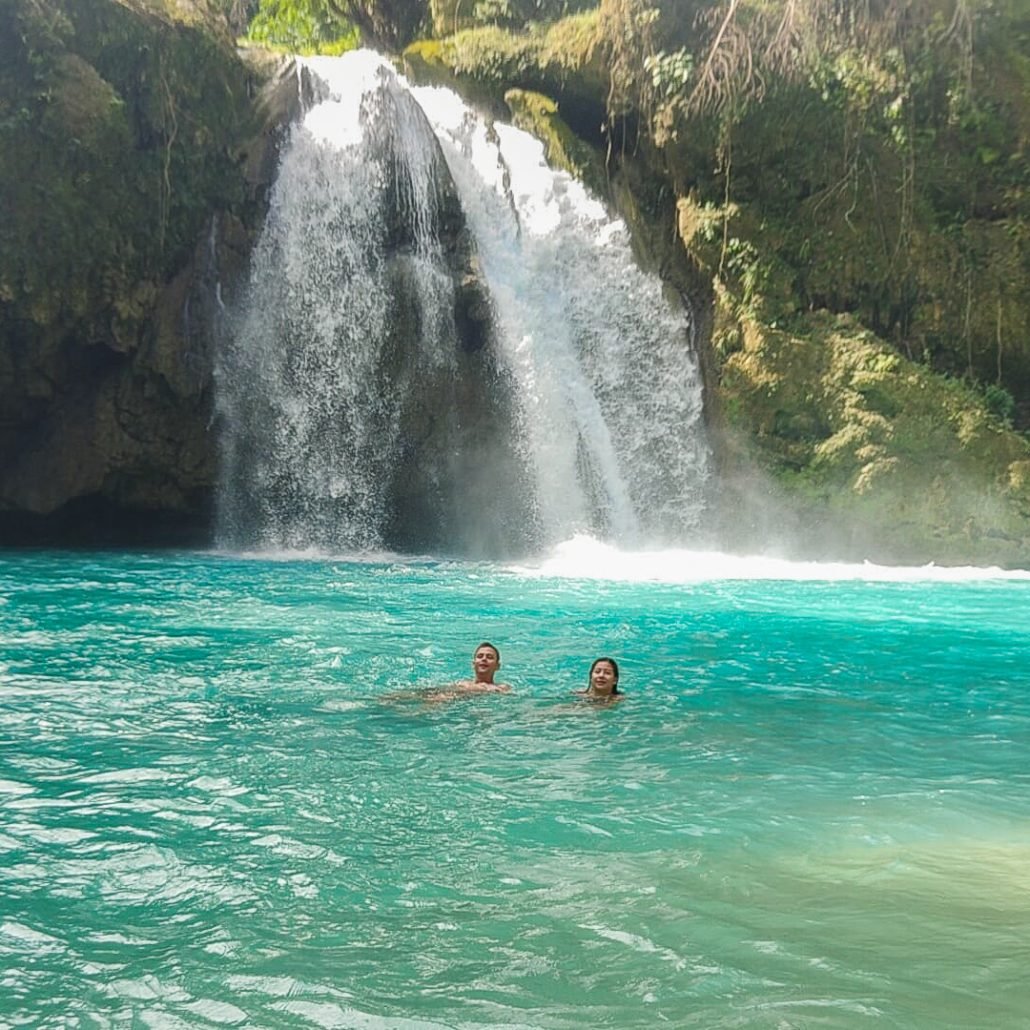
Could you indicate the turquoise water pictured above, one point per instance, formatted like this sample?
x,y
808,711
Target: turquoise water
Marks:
x,y
812,810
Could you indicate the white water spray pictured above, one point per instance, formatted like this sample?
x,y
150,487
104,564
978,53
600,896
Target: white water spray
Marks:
x,y
609,386
605,398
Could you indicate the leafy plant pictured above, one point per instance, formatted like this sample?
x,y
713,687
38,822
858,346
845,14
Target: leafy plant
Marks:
x,y
301,26
999,402
670,72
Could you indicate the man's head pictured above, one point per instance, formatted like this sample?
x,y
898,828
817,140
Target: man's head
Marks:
x,y
486,660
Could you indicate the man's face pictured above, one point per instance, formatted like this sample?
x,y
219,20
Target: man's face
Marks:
x,y
485,662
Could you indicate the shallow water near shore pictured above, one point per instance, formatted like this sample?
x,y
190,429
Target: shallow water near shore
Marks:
x,y
224,807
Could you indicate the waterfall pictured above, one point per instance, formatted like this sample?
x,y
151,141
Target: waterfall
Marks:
x,y
447,345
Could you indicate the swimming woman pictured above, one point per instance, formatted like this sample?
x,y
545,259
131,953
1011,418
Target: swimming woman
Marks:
x,y
603,682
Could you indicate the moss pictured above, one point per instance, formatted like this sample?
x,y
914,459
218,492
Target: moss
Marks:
x,y
112,168
562,60
868,438
119,127
539,115
732,242
891,184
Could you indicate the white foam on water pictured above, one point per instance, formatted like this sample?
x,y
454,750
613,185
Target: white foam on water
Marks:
x,y
584,557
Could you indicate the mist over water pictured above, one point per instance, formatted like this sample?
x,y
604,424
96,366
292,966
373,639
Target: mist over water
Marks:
x,y
584,557
592,385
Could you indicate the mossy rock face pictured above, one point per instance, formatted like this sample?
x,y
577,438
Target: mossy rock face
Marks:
x,y
876,456
127,131
873,453
563,60
922,234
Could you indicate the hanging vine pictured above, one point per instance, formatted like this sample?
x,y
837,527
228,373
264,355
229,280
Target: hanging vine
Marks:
x,y
170,122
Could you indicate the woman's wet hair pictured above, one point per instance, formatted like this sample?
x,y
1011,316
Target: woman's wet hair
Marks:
x,y
615,668
486,643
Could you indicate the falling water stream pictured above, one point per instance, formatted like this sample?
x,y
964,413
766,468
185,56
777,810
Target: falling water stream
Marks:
x,y
347,357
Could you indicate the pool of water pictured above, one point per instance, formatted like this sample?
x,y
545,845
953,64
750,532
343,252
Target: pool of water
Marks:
x,y
225,802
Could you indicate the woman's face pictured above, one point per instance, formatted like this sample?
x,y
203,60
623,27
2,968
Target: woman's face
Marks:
x,y
603,678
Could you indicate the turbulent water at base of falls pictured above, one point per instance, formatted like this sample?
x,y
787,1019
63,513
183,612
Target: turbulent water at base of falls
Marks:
x,y
345,393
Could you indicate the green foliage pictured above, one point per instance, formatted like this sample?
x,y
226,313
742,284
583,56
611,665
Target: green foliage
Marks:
x,y
744,261
561,60
875,155
669,73
855,431
999,402
301,26
334,26
492,54
451,16
523,13
851,81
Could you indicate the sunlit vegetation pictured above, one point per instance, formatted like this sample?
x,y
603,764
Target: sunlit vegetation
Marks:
x,y
301,26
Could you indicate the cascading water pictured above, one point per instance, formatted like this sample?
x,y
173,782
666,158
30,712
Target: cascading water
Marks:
x,y
448,346
310,426
609,389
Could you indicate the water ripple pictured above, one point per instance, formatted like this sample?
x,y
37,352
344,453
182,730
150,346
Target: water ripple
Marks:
x,y
226,804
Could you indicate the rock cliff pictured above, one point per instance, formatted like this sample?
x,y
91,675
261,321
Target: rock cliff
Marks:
x,y
861,282
135,147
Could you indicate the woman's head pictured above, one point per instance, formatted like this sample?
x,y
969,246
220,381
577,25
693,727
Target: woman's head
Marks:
x,y
604,676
